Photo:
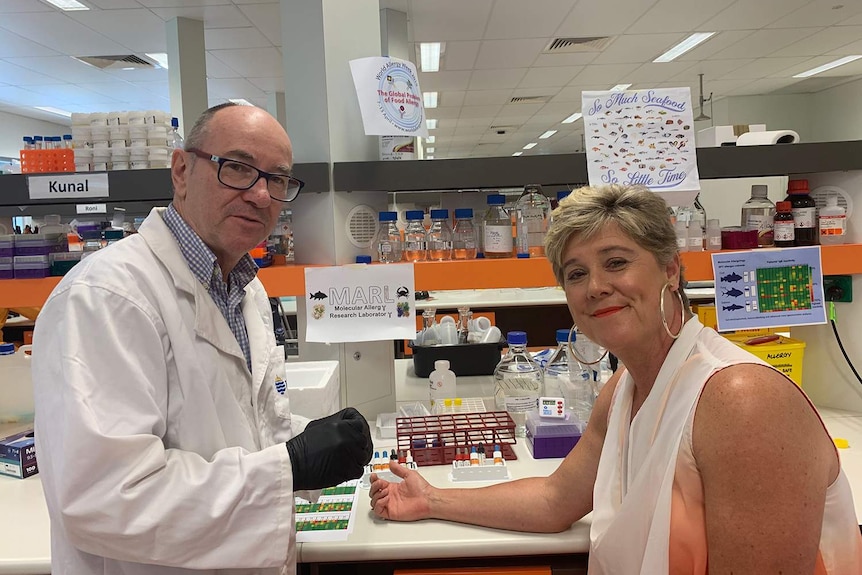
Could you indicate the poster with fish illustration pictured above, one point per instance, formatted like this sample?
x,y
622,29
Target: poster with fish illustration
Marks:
x,y
641,137
768,288
359,302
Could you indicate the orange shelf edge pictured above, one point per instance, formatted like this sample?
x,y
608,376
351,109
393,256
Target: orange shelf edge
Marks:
x,y
289,280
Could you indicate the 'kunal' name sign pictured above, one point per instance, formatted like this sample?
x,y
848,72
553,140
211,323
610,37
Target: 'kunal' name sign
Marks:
x,y
390,99
68,186
360,303
641,137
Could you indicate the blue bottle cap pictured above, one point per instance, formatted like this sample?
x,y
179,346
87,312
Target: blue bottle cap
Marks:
x,y
67,136
562,194
175,122
523,256
496,200
388,216
463,213
563,335
414,215
517,338
7,348
439,214
363,259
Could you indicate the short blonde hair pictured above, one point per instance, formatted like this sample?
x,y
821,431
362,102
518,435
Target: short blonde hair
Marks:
x,y
641,214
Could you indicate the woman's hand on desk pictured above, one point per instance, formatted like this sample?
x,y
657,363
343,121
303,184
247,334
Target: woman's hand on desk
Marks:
x,y
408,500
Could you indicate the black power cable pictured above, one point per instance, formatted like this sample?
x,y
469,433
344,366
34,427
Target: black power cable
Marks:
x,y
841,345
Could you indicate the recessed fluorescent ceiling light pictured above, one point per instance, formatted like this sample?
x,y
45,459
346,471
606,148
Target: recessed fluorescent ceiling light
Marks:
x,y
431,124
547,134
517,153
57,111
530,146
620,87
67,4
429,56
684,46
160,58
430,99
828,66
431,139
240,101
430,150
573,118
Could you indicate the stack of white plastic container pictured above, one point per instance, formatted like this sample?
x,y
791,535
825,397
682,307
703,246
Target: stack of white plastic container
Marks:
x,y
121,140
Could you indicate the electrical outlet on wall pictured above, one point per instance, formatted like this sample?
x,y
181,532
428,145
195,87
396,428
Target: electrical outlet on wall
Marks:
x,y
838,288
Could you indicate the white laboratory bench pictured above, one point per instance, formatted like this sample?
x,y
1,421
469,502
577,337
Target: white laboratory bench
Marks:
x,y
25,547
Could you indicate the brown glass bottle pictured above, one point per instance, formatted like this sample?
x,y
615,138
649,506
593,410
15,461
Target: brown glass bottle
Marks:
x,y
783,227
804,212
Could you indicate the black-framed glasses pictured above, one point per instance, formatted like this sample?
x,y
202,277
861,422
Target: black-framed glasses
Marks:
x,y
241,176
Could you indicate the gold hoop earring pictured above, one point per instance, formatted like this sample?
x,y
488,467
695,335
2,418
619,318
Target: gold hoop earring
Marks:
x,y
572,350
664,317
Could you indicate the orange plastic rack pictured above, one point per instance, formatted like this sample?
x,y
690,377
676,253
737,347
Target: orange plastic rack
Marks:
x,y
289,280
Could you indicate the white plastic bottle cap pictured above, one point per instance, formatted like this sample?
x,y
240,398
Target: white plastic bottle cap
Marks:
x,y
441,364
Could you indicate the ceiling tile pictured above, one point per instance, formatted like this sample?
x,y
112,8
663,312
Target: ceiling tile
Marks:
x,y
496,79
653,73
712,69
602,17
218,69
573,59
819,13
836,38
442,81
561,110
251,61
267,19
23,97
573,93
269,85
181,3
763,86
752,15
155,88
854,21
61,33
17,76
847,49
519,19
716,44
72,94
451,98
508,53
635,48
227,16
232,88
446,113
764,67
525,111
120,91
533,92
609,74
140,31
18,6
459,55
677,15
487,97
434,21
550,77
231,38
138,75
12,45
488,111
114,4
63,68
764,42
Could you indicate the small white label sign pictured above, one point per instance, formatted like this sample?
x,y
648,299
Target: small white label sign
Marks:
x,y
92,208
62,186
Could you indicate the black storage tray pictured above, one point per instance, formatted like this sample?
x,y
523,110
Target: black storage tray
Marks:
x,y
464,358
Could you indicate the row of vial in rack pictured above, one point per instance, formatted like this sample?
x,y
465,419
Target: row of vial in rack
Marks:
x,y
501,232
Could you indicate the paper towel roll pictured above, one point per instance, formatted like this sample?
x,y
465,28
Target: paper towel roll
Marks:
x,y
767,138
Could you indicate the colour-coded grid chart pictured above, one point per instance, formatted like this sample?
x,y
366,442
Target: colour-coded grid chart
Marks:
x,y
786,288
331,517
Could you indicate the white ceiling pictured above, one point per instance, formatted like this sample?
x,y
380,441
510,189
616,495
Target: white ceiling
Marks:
x,y
494,52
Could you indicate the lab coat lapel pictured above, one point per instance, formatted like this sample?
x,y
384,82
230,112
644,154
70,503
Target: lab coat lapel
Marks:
x,y
257,336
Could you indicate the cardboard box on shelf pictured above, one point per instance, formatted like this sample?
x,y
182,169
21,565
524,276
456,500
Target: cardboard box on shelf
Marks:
x,y
18,455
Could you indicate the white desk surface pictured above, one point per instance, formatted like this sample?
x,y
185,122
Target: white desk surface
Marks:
x,y
25,543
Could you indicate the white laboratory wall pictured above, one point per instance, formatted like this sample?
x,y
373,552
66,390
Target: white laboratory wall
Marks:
x,y
778,112
723,199
836,114
15,127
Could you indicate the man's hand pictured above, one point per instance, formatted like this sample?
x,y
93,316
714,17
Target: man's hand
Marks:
x,y
408,500
331,450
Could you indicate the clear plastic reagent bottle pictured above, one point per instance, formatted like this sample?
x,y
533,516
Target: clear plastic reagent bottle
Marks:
x,y
532,212
464,235
518,382
389,246
439,236
497,228
832,221
415,248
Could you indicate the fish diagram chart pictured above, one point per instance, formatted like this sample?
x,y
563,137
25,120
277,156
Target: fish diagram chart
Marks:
x,y
774,289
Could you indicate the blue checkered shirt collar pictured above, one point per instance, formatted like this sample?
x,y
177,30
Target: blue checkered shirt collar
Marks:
x,y
204,265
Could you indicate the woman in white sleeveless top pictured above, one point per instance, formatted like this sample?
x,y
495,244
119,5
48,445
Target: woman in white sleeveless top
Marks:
x,y
698,458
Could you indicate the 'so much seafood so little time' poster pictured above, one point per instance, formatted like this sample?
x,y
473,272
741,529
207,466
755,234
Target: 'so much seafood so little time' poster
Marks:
x,y
641,137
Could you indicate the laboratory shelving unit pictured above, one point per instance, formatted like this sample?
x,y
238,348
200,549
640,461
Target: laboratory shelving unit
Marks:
x,y
476,173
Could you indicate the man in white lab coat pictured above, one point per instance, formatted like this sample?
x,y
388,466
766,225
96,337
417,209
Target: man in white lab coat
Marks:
x,y
163,441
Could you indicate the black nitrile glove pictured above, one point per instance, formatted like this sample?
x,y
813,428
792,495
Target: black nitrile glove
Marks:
x,y
331,450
